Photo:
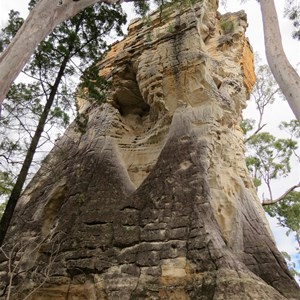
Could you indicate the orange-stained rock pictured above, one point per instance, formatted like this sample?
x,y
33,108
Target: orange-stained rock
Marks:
x,y
247,63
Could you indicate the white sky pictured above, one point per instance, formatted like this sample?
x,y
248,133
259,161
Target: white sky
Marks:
x,y
280,110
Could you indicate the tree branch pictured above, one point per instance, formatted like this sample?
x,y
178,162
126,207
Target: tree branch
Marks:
x,y
282,197
254,133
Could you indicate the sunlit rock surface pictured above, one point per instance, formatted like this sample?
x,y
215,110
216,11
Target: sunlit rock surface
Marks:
x,y
152,199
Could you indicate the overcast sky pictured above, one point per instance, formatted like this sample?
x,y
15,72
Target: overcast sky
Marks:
x,y
280,110
254,32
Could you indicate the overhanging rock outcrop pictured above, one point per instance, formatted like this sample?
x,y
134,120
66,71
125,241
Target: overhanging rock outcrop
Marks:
x,y
153,200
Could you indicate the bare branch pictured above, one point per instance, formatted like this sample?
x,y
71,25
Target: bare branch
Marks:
x,y
254,133
282,197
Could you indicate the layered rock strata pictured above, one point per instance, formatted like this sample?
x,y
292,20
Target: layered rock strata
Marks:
x,y
153,200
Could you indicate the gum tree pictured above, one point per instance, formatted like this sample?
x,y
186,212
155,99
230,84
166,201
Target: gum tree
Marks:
x,y
270,159
47,14
285,75
70,47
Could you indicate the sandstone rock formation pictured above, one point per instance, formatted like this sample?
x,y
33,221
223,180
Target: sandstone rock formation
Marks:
x,y
153,200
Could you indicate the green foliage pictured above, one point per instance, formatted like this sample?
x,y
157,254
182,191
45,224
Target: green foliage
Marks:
x,y
292,128
58,114
271,156
292,11
227,26
54,69
264,90
247,125
7,33
81,37
291,265
265,87
268,158
142,7
6,186
171,28
21,112
264,93
6,183
2,208
287,211
93,87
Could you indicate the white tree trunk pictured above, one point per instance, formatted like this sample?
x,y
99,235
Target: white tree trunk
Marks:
x,y
285,75
48,13
40,22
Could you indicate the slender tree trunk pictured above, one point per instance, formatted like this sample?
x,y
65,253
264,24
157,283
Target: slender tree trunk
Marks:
x,y
155,203
41,21
285,75
18,187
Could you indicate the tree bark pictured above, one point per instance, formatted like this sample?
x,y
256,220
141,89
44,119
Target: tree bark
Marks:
x,y
40,22
47,14
285,75
282,197
18,187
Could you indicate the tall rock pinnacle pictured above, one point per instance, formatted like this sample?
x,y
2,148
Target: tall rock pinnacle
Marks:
x,y
152,198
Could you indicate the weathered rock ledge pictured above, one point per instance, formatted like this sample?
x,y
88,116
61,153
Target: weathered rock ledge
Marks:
x,y
153,200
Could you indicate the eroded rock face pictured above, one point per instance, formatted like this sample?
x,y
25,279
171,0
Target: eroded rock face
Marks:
x,y
154,200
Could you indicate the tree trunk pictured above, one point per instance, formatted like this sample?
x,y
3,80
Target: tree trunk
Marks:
x,y
153,200
285,75
18,187
40,22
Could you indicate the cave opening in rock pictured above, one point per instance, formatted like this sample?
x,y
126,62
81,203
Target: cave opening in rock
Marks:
x,y
127,95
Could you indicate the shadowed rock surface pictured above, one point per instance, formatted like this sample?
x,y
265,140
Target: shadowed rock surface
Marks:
x,y
153,200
